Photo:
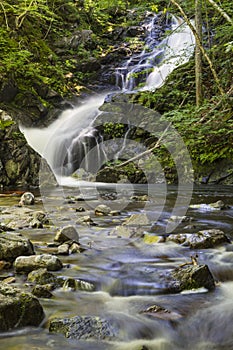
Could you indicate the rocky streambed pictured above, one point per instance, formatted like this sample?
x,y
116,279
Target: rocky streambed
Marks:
x,y
96,269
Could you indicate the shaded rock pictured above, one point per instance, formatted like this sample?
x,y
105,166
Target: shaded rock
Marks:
x,y
202,239
25,264
67,233
83,327
191,277
42,291
13,245
102,210
18,309
42,276
27,199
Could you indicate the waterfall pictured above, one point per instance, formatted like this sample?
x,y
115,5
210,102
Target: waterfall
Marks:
x,y
66,141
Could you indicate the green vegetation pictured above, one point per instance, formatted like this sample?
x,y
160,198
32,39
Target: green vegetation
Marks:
x,y
35,56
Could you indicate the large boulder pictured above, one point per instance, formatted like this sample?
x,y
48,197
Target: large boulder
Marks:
x,y
13,245
18,309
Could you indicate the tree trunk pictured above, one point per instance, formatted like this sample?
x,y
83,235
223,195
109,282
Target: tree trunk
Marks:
x,y
198,54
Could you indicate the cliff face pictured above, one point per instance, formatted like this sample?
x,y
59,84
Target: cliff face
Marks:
x,y
19,163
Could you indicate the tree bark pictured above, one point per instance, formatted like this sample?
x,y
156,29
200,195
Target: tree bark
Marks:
x,y
217,81
198,54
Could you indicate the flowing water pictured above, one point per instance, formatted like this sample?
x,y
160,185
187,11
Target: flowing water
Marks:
x,y
125,274
125,271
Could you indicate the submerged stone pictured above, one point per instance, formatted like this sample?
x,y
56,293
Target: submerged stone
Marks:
x,y
83,327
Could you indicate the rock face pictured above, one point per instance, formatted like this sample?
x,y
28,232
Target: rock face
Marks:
x,y
19,163
13,245
18,309
83,327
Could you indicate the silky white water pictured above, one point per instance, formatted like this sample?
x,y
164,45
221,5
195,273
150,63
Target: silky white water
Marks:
x,y
64,143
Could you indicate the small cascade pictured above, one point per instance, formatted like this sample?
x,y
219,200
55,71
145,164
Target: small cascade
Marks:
x,y
159,57
67,142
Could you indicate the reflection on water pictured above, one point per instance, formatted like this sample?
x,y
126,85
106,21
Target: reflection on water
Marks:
x,y
126,273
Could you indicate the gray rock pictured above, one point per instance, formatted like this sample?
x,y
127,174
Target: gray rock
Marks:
x,y
63,249
25,264
18,309
67,233
102,209
137,220
13,245
202,239
27,199
83,327
191,277
85,220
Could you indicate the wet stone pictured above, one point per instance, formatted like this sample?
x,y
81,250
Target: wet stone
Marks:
x,y
63,249
25,264
191,277
202,239
27,199
83,327
42,291
85,221
102,210
67,233
13,245
18,309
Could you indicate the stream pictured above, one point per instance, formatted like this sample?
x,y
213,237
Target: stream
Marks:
x,y
125,270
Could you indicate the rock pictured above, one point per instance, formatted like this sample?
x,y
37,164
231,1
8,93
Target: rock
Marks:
x,y
200,240
18,309
25,264
77,284
191,277
219,205
42,291
67,233
27,199
74,248
102,209
83,327
13,245
63,249
137,220
42,276
86,221
161,312
142,198
127,231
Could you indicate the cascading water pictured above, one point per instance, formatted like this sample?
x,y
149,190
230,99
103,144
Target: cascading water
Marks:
x,y
67,141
